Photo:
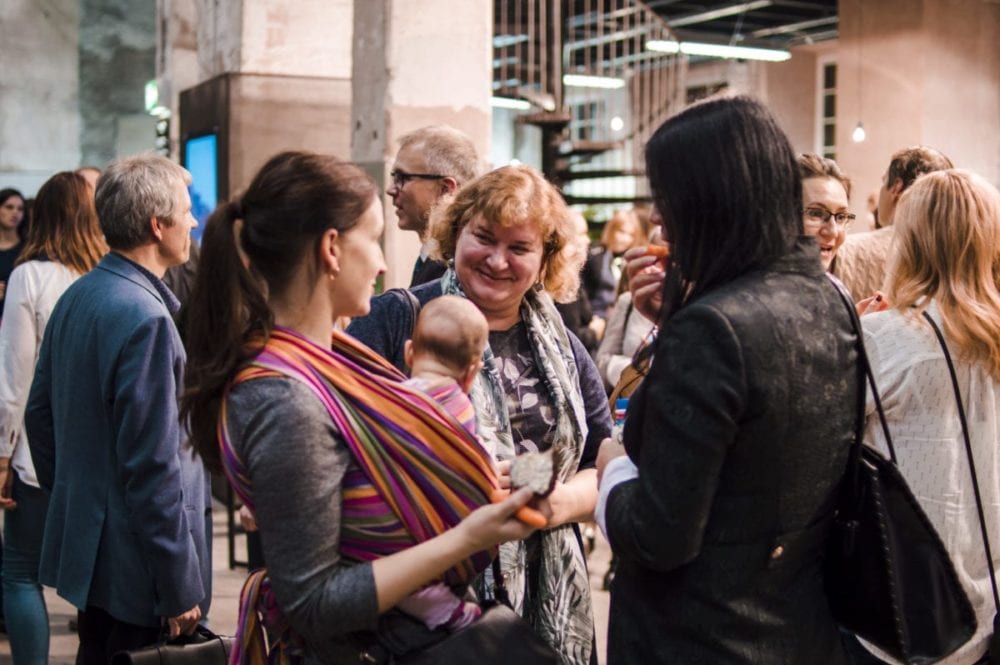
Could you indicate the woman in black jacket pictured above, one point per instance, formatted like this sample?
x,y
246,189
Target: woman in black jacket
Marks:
x,y
738,438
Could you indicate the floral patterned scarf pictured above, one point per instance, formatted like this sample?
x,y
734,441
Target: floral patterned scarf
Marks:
x,y
560,607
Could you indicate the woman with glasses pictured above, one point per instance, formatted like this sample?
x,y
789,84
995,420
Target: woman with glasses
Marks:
x,y
825,194
738,437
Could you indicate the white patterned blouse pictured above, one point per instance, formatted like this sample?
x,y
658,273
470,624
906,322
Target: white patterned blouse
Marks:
x,y
913,380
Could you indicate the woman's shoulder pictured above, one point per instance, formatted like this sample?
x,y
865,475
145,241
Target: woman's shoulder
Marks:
x,y
34,278
275,407
41,268
389,303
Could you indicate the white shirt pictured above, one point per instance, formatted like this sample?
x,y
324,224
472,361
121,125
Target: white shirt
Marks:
x,y
32,292
626,331
913,380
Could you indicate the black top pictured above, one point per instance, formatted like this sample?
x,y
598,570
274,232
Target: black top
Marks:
x,y
7,259
427,270
741,433
577,316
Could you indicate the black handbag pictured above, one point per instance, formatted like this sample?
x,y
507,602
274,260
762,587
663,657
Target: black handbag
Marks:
x,y
499,636
994,647
888,577
202,648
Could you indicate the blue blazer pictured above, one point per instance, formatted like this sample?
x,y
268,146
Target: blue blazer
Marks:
x,y
126,526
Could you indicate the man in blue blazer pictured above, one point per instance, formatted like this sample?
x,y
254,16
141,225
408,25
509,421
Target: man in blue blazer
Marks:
x,y
125,531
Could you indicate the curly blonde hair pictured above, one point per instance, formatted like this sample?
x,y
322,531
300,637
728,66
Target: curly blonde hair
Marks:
x,y
948,248
511,196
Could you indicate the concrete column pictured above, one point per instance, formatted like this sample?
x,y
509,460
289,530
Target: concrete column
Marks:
x,y
117,59
416,64
268,75
177,65
39,70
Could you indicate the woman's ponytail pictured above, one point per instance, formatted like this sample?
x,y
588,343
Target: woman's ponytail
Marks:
x,y
225,321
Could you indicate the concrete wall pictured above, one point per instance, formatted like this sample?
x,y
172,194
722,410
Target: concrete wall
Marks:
x,y
269,114
117,58
914,72
40,121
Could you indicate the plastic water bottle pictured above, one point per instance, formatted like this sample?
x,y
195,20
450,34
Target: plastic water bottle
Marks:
x,y
618,418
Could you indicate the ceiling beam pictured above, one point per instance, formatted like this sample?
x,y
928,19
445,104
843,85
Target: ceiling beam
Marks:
x,y
794,27
722,12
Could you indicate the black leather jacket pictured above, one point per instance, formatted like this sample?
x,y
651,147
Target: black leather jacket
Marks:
x,y
740,433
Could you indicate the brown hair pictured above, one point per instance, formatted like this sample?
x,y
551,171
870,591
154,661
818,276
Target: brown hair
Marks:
x,y
511,196
947,247
910,163
622,217
64,226
291,202
812,165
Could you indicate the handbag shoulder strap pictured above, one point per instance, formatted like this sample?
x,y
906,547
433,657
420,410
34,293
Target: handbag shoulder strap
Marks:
x,y
411,300
968,452
863,363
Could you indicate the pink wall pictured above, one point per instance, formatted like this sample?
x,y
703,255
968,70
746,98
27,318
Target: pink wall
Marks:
x,y
930,74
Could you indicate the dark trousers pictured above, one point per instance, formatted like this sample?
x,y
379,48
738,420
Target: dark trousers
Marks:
x,y
102,636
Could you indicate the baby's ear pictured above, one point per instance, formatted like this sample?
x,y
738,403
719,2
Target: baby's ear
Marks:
x,y
408,353
469,376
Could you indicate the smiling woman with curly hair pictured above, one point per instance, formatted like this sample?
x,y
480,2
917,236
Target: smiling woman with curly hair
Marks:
x,y
509,242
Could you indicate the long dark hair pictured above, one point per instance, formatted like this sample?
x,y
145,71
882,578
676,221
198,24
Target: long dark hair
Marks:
x,y
291,202
64,225
725,180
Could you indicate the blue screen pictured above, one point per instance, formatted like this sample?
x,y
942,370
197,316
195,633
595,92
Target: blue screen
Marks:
x,y
201,159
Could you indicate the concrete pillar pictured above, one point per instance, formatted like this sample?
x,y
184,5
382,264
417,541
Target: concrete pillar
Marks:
x,y
39,69
416,64
117,59
177,65
267,75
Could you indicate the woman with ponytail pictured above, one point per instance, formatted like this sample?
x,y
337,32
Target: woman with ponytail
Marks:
x,y
64,242
364,491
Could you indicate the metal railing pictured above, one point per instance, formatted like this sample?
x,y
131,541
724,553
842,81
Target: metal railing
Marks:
x,y
595,89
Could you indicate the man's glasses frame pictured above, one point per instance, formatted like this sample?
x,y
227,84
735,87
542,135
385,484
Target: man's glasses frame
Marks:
x,y
400,178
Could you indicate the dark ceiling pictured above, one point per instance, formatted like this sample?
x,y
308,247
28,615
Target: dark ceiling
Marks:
x,y
776,23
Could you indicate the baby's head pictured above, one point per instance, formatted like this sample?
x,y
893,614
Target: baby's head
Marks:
x,y
448,338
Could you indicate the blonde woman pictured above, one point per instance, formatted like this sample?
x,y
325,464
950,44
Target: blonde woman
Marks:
x,y
603,269
947,264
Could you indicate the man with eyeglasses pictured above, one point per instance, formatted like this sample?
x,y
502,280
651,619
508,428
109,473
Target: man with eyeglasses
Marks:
x,y
862,261
431,165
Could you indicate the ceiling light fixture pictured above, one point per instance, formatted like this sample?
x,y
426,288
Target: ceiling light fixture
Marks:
x,y
584,81
718,50
509,103
858,135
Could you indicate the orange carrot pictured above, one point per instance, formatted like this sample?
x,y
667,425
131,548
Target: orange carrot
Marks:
x,y
661,251
529,516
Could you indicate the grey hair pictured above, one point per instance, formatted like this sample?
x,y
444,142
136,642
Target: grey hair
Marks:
x,y
446,151
131,191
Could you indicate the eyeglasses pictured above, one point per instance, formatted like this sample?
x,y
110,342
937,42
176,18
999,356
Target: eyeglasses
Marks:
x,y
817,217
400,178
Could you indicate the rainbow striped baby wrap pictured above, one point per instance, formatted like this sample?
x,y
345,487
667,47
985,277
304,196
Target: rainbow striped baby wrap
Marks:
x,y
419,471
